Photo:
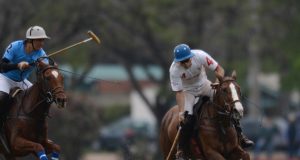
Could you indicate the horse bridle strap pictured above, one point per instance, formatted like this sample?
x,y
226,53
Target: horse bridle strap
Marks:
x,y
222,110
49,95
232,103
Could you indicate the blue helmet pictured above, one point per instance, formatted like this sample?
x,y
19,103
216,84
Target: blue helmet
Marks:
x,y
182,52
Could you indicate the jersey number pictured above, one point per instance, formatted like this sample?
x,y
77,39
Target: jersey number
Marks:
x,y
8,48
209,61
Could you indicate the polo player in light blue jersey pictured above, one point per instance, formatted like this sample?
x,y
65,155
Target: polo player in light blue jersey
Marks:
x,y
15,64
15,68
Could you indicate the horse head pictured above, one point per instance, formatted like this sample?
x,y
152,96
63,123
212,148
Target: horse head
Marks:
x,y
227,98
51,82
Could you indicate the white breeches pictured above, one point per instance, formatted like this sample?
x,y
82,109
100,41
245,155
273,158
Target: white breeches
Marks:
x,y
190,96
6,84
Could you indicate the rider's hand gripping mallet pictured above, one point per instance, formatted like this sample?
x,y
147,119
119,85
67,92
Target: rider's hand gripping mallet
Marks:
x,y
92,37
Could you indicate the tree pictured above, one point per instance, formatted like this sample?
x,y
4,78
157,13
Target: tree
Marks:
x,y
144,32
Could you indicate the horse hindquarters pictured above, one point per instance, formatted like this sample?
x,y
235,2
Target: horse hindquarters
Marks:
x,y
165,143
168,131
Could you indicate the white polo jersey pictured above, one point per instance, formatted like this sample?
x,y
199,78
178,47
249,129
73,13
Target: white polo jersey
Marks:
x,y
194,78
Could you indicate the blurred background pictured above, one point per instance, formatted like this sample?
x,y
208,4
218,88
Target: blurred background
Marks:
x,y
119,91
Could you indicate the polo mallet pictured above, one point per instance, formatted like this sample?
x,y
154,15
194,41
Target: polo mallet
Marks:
x,y
92,37
174,143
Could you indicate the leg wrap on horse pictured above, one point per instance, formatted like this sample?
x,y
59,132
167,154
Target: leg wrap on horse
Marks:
x,y
55,156
42,155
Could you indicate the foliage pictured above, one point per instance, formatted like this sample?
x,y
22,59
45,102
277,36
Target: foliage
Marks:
x,y
144,32
75,127
112,113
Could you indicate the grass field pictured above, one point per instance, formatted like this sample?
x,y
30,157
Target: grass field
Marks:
x,y
262,156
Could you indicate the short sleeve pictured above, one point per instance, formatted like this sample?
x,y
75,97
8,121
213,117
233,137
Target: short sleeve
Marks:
x,y
175,79
206,60
176,83
9,52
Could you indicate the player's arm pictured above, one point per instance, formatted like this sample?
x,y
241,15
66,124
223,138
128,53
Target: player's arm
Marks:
x,y
6,66
219,71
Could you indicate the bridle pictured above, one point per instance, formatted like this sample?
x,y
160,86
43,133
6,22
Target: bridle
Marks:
x,y
218,91
47,92
225,110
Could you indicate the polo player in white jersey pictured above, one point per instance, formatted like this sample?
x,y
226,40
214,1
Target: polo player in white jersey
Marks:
x,y
189,80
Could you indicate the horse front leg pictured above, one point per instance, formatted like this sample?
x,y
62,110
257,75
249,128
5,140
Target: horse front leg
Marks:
x,y
238,153
21,145
52,148
213,155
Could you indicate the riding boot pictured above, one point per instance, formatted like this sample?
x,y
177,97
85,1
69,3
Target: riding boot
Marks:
x,y
245,142
184,137
4,108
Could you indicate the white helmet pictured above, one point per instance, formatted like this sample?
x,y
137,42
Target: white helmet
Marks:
x,y
36,32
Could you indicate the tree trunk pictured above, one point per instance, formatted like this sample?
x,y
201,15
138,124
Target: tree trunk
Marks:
x,y
254,60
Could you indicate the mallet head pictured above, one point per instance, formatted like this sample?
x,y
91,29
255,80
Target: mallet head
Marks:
x,y
94,37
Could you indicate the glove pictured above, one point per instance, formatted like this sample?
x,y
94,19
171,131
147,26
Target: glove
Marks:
x,y
23,65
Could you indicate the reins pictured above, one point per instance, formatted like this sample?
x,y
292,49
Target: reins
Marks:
x,y
47,95
221,109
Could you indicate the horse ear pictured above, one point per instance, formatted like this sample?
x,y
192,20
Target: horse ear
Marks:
x,y
233,74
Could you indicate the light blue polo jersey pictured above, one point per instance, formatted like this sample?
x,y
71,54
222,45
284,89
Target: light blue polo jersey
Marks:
x,y
15,53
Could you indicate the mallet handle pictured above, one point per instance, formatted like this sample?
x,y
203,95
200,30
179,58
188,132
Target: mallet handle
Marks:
x,y
61,50
174,144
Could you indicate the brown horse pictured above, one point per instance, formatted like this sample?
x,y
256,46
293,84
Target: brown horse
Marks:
x,y
25,127
216,137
